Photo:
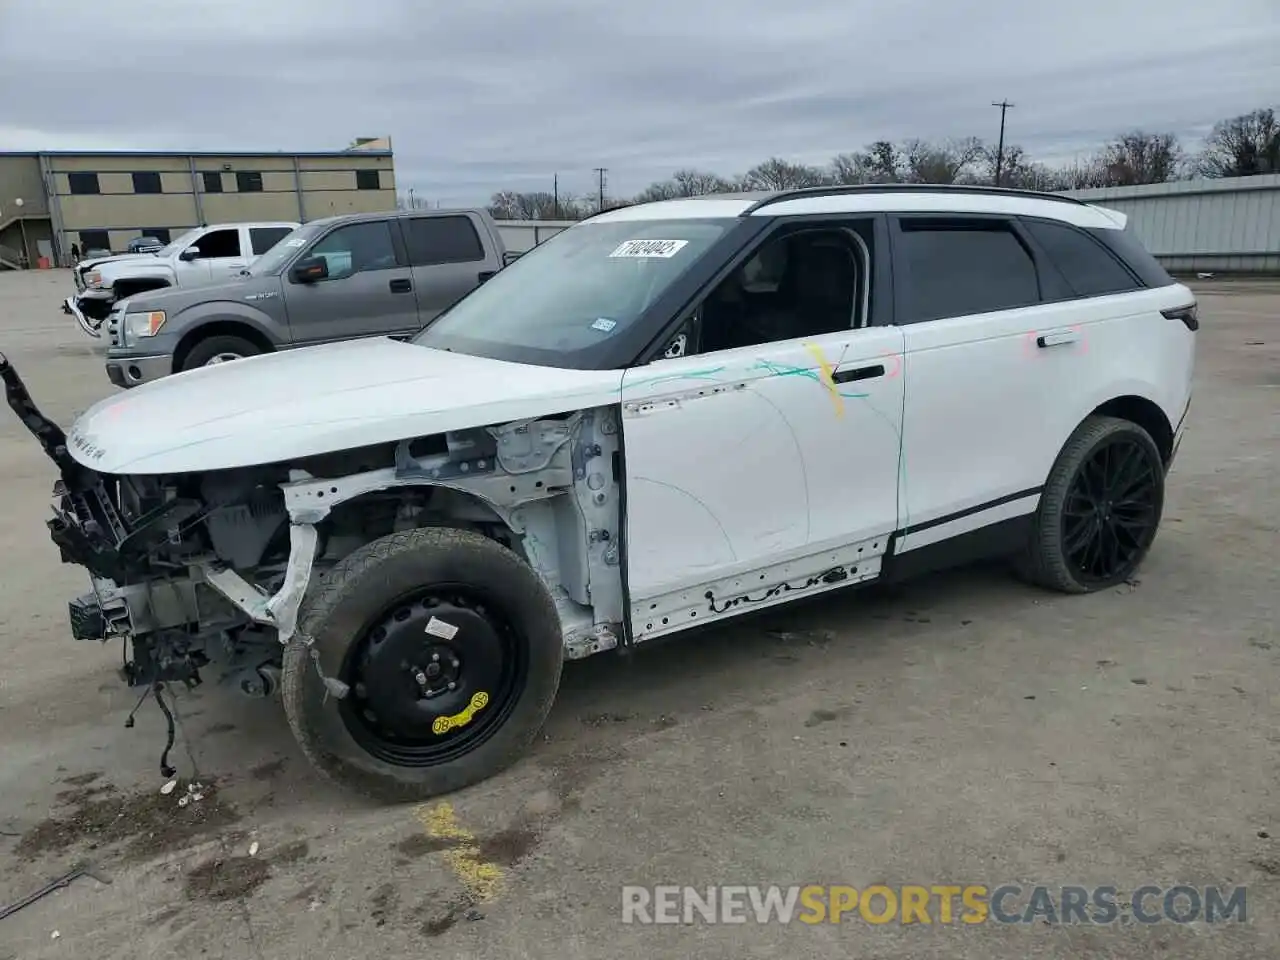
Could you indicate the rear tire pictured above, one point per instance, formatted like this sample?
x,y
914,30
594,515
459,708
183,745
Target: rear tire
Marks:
x,y
381,620
1100,509
219,350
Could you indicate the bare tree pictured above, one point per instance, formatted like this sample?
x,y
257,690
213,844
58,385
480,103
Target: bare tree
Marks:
x,y
885,162
536,205
940,163
778,174
1140,157
852,168
1242,146
685,183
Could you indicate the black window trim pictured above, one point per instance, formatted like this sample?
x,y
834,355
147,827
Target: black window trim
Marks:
x,y
159,182
261,186
406,221
72,179
1044,255
699,282
397,244
1047,276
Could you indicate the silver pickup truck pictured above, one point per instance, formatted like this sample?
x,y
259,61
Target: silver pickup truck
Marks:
x,y
340,278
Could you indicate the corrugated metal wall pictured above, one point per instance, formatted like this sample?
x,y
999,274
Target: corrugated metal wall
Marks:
x,y
1230,225
522,235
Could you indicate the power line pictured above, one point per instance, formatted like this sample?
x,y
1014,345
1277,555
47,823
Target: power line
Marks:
x,y
1004,106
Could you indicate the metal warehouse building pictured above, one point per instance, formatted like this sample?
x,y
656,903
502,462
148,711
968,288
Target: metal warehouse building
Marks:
x,y
48,201
1226,226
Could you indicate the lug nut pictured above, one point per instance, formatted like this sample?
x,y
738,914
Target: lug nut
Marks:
x,y
452,685
421,678
455,664
435,657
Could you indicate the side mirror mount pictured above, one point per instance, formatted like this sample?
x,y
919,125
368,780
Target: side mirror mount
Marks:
x,y
309,270
189,254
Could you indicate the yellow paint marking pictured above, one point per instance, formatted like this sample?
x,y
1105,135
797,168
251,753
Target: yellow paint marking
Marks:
x,y
827,377
482,879
463,717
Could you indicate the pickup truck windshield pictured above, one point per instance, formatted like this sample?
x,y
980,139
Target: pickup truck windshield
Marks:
x,y
174,247
574,291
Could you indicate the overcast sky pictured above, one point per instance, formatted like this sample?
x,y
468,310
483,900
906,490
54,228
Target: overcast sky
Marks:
x,y
481,95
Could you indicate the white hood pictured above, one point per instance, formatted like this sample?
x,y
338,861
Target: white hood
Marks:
x,y
298,403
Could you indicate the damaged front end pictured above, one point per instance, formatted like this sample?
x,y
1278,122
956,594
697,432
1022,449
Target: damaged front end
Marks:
x,y
159,554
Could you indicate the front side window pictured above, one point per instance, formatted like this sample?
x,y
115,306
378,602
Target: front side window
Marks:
x,y
567,296
356,248
958,267
219,244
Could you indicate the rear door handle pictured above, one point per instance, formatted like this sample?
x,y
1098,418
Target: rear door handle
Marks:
x,y
1057,339
858,373
401,286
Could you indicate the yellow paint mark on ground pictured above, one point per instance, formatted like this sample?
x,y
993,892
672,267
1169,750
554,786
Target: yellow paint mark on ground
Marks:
x,y
827,377
482,879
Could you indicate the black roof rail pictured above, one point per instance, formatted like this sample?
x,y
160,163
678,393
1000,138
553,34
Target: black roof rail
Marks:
x,y
856,188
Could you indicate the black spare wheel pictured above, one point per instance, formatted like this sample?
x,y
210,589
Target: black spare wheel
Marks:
x,y
1100,509
450,646
219,349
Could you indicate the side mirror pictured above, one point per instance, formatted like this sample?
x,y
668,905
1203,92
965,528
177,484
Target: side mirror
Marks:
x,y
309,270
510,256
189,254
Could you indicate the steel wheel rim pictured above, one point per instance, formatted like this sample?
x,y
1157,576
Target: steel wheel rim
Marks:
x,y
398,747
222,358
1111,511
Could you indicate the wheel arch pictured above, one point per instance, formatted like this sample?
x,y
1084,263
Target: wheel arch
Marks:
x,y
220,328
1144,412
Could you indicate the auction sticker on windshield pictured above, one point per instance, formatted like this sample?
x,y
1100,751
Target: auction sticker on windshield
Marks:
x,y
663,249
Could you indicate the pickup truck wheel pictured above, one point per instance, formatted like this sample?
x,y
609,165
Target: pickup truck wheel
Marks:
x,y
219,350
1100,509
451,648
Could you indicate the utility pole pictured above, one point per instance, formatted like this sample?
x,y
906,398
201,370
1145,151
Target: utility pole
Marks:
x,y
555,191
601,171
1004,105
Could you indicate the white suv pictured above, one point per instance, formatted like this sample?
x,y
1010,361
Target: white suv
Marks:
x,y
666,416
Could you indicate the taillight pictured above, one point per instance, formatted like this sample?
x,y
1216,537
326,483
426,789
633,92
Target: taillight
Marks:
x,y
1189,315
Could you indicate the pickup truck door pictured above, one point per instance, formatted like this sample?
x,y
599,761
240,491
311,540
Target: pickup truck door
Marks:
x,y
223,253
369,291
451,254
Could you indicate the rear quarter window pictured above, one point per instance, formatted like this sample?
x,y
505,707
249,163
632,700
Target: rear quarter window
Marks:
x,y
1089,266
1126,245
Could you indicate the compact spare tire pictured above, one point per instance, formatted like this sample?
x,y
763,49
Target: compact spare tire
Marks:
x,y
1100,509
450,645
219,349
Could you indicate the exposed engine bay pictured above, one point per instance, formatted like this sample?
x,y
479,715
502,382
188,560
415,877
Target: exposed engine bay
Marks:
x,y
195,570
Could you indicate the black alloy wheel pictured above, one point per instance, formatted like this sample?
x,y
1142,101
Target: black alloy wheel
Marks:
x,y
1112,510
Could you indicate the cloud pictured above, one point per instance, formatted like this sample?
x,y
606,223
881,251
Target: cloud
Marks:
x,y
492,95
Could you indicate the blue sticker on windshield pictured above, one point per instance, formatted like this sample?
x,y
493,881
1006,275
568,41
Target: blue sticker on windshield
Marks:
x,y
604,324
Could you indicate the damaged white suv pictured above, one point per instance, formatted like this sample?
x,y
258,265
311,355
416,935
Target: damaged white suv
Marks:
x,y
665,416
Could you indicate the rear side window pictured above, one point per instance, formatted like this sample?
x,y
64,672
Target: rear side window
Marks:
x,y
956,267
1126,245
1087,265
263,239
434,240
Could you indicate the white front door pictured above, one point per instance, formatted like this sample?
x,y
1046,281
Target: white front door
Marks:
x,y
739,460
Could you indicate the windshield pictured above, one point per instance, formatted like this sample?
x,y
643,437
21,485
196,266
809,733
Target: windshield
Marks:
x,y
573,292
274,259
183,241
